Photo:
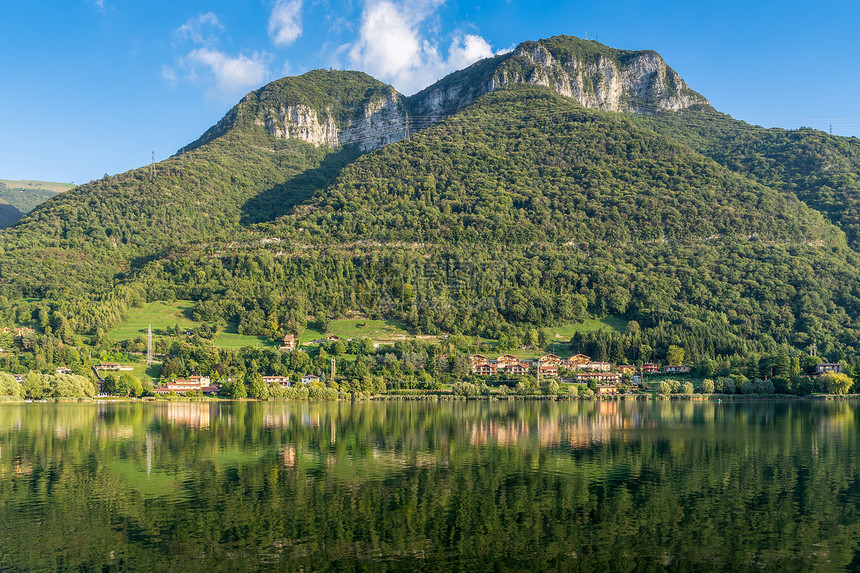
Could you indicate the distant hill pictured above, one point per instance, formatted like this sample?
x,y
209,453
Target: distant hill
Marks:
x,y
24,196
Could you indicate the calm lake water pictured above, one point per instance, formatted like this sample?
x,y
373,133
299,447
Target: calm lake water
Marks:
x,y
463,486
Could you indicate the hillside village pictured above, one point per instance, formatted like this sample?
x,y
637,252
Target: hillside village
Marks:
x,y
328,366
332,366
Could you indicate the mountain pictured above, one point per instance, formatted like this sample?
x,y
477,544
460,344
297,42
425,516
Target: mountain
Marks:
x,y
21,197
9,214
561,180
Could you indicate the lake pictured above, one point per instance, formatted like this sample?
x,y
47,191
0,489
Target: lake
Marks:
x,y
431,486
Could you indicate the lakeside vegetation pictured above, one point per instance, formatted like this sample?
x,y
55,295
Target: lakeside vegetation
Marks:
x,y
411,365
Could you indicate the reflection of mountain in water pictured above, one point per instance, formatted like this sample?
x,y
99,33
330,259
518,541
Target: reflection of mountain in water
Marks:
x,y
470,485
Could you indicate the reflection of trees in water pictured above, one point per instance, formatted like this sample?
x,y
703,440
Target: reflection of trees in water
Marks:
x,y
479,484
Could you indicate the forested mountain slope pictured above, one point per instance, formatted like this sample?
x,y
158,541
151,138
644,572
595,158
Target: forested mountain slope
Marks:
x,y
528,208
237,174
526,200
821,169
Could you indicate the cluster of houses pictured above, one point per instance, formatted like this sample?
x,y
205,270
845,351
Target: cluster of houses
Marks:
x,y
203,384
581,368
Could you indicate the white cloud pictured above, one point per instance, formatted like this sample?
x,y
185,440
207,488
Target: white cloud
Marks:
x,y
285,23
168,74
392,46
467,50
100,4
201,29
233,75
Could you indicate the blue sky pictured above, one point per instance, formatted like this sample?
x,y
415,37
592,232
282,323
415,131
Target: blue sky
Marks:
x,y
94,86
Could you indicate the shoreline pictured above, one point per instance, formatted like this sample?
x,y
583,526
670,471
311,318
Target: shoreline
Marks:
x,y
716,398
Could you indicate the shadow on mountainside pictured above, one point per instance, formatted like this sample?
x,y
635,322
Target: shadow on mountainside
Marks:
x,y
280,200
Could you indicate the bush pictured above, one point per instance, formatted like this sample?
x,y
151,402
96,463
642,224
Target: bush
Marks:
x,y
549,387
664,388
725,386
707,386
465,389
686,388
763,386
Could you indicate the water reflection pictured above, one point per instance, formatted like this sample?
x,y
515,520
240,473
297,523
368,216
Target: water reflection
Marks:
x,y
461,485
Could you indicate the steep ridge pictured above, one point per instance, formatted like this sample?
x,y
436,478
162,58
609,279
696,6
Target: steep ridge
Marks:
x,y
355,109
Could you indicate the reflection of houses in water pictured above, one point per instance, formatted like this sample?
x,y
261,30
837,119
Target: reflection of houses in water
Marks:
x,y
288,456
282,420
579,430
119,432
508,433
192,414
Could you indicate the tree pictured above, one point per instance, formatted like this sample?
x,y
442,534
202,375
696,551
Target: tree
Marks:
x,y
549,386
707,386
544,338
236,388
256,386
675,355
836,383
725,386
462,365
686,388
35,386
465,389
171,368
534,338
9,386
122,385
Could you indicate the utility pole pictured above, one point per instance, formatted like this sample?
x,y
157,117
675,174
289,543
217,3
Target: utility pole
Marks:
x,y
813,349
332,368
149,346
152,166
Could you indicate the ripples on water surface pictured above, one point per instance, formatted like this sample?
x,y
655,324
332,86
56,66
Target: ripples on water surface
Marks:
x,y
432,486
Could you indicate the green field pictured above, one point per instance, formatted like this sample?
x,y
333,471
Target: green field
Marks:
x,y
161,315
561,336
382,331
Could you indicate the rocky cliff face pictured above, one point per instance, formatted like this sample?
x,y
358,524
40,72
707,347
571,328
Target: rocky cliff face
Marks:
x,y
378,122
639,82
351,108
